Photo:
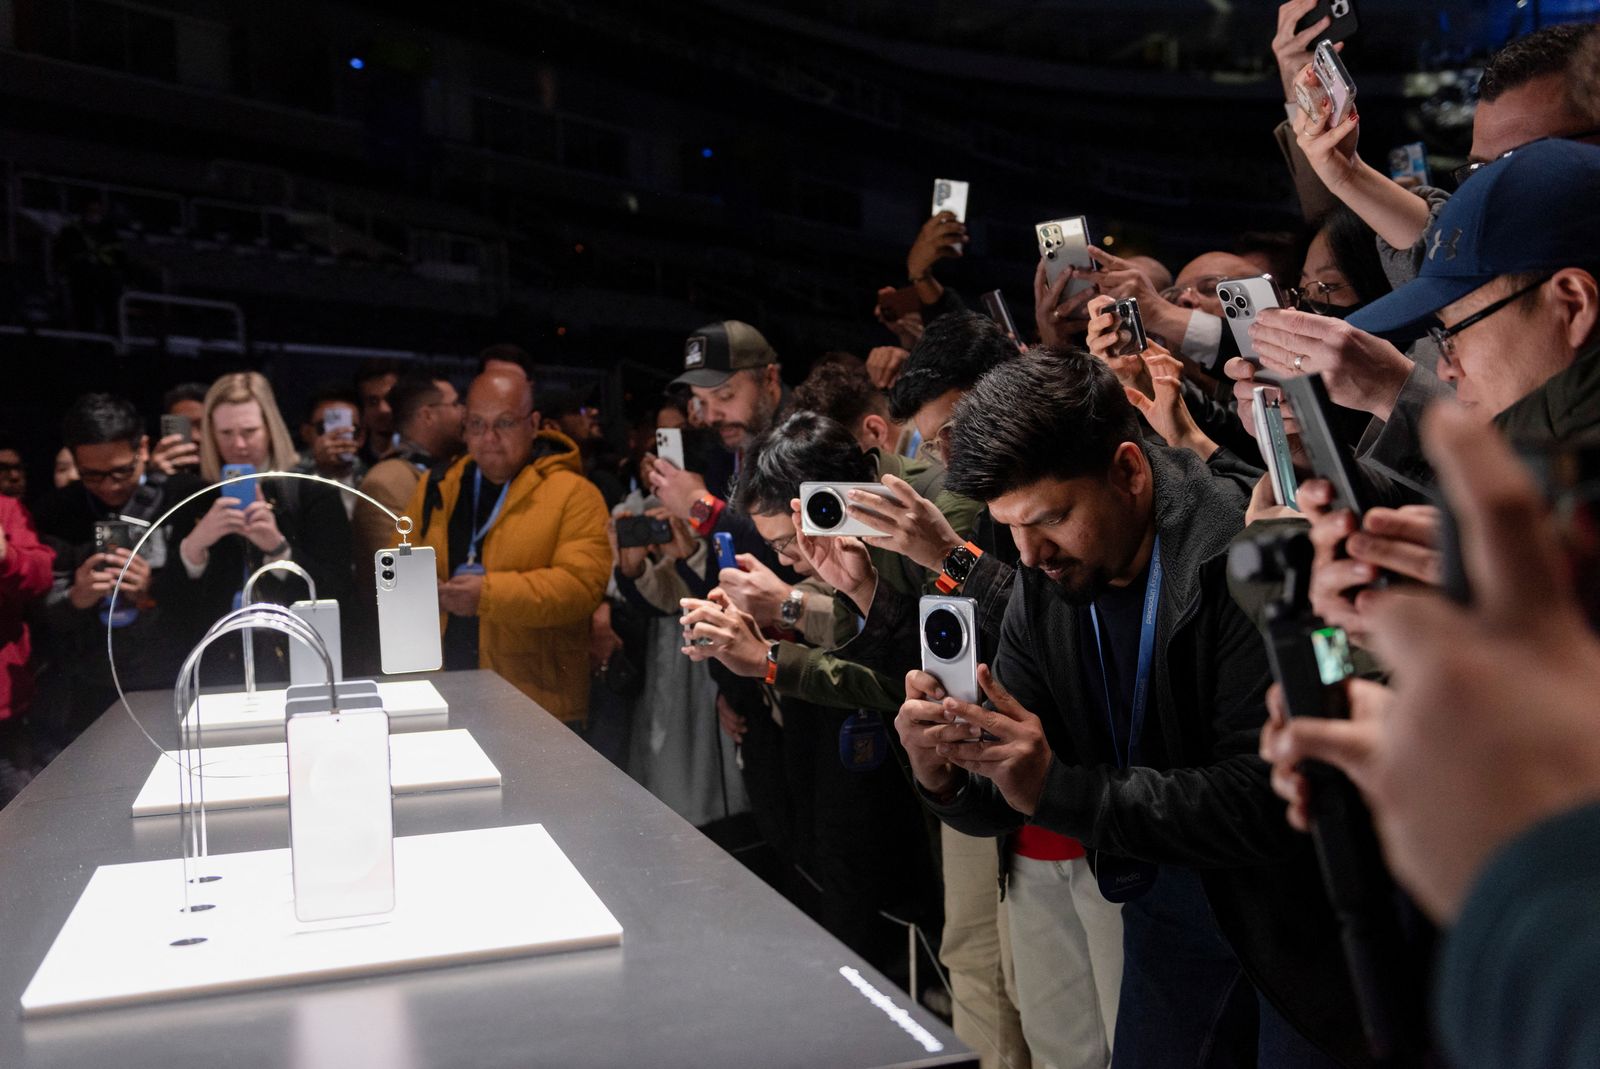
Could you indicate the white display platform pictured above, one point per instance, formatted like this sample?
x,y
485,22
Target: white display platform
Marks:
x,y
237,777
264,708
461,897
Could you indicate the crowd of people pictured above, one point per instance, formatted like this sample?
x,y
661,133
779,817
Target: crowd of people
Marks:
x,y
1106,840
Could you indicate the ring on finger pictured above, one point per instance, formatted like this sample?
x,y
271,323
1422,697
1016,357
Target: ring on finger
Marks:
x,y
1299,363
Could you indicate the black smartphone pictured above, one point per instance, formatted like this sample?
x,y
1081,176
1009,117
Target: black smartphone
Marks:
x,y
1130,328
177,425
636,531
1331,458
111,535
1343,25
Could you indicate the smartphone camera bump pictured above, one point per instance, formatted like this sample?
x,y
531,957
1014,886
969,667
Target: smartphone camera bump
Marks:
x,y
388,570
945,634
825,509
1340,8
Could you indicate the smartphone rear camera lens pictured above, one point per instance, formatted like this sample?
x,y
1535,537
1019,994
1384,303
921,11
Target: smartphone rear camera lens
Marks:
x,y
1241,302
825,509
945,635
1228,309
387,561
387,574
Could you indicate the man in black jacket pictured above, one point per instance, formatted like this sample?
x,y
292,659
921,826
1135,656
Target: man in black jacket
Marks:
x,y
1131,702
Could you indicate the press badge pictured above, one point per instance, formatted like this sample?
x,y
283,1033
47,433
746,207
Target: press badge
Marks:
x,y
863,742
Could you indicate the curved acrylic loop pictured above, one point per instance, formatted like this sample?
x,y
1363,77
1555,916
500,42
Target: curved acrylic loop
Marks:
x,y
116,588
249,598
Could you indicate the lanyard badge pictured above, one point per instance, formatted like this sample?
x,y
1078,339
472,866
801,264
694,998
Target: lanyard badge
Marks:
x,y
863,742
472,566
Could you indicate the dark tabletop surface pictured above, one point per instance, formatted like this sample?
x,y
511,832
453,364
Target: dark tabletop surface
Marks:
x,y
715,968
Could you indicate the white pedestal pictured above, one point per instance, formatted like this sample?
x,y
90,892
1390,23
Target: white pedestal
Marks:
x,y
460,897
264,708
238,777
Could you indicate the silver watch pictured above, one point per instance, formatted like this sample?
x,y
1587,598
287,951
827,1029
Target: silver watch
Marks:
x,y
792,608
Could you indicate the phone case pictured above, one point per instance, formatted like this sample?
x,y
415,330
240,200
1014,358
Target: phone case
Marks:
x,y
1269,437
1130,326
178,425
244,492
1064,243
408,610
725,554
950,195
822,512
341,816
669,446
1242,300
1343,25
1336,80
112,534
1331,459
958,672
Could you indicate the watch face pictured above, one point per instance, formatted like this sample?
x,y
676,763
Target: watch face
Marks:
x,y
959,563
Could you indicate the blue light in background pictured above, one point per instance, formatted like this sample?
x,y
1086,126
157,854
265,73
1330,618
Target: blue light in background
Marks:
x,y
705,153
356,63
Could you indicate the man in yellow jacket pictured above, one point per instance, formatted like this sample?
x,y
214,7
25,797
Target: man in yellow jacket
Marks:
x,y
521,541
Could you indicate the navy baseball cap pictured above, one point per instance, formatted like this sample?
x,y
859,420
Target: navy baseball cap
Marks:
x,y
1537,209
714,352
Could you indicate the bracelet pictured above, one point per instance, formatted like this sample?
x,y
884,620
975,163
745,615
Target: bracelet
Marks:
x,y
772,665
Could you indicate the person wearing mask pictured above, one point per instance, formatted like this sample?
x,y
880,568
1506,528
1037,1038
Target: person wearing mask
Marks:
x,y
25,567
520,537
1139,740
374,379
333,436
250,524
156,617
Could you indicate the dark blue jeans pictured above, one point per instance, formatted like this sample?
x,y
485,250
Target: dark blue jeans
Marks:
x,y
1186,1003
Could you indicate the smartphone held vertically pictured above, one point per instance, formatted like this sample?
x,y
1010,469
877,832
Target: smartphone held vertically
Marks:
x,y
1336,82
177,426
1131,338
950,195
948,627
1273,441
1242,300
1330,457
823,510
669,446
636,531
1064,243
994,302
408,609
1342,23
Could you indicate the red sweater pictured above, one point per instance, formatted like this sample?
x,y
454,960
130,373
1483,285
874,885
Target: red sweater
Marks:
x,y
25,574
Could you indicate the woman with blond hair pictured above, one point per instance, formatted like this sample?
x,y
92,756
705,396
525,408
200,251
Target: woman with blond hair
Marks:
x,y
252,523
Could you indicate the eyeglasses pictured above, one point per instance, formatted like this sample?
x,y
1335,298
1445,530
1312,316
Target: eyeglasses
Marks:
x,y
1445,337
1313,293
1467,170
1205,286
114,475
477,426
781,545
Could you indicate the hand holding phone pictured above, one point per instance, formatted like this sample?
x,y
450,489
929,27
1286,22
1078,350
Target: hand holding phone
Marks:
x,y
950,195
669,446
242,492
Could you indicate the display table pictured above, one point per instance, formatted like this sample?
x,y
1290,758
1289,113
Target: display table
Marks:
x,y
716,969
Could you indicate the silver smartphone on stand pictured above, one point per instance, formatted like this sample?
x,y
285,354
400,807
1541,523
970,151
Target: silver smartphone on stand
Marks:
x,y
341,814
408,610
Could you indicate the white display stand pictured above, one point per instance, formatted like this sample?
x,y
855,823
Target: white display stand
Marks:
x,y
460,897
238,777
264,708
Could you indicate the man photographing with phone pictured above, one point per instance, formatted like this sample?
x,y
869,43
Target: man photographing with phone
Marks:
x,y
1128,693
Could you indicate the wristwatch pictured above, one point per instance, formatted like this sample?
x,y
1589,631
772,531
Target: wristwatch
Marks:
x,y
958,564
792,608
702,511
772,665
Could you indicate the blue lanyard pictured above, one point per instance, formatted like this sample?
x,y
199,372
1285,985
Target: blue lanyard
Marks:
x,y
477,535
1147,649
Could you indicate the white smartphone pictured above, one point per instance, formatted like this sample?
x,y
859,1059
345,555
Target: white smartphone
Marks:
x,y
341,814
338,418
949,635
1274,445
1336,82
1064,243
305,666
408,610
822,509
1242,300
669,446
950,195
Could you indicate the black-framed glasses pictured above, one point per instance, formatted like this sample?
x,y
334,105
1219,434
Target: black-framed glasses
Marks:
x,y
1445,337
1313,293
1467,170
119,474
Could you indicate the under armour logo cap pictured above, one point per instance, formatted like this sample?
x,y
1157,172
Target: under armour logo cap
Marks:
x,y
1537,209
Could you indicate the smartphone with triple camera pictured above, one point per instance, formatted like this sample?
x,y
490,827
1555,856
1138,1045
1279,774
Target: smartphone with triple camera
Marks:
x,y
948,627
111,535
994,302
1336,82
669,446
636,531
177,425
1064,243
823,513
1273,440
1342,26
1243,299
408,610
950,195
1131,339
243,492
1331,458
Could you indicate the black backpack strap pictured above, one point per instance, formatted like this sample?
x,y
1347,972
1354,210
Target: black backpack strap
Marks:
x,y
432,497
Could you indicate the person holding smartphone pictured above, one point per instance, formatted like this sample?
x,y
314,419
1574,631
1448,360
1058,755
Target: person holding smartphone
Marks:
x,y
333,436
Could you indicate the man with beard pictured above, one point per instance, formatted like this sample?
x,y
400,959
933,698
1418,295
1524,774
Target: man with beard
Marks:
x,y
1127,695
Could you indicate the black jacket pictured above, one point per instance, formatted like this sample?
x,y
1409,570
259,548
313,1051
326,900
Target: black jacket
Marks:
x,y
1201,797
